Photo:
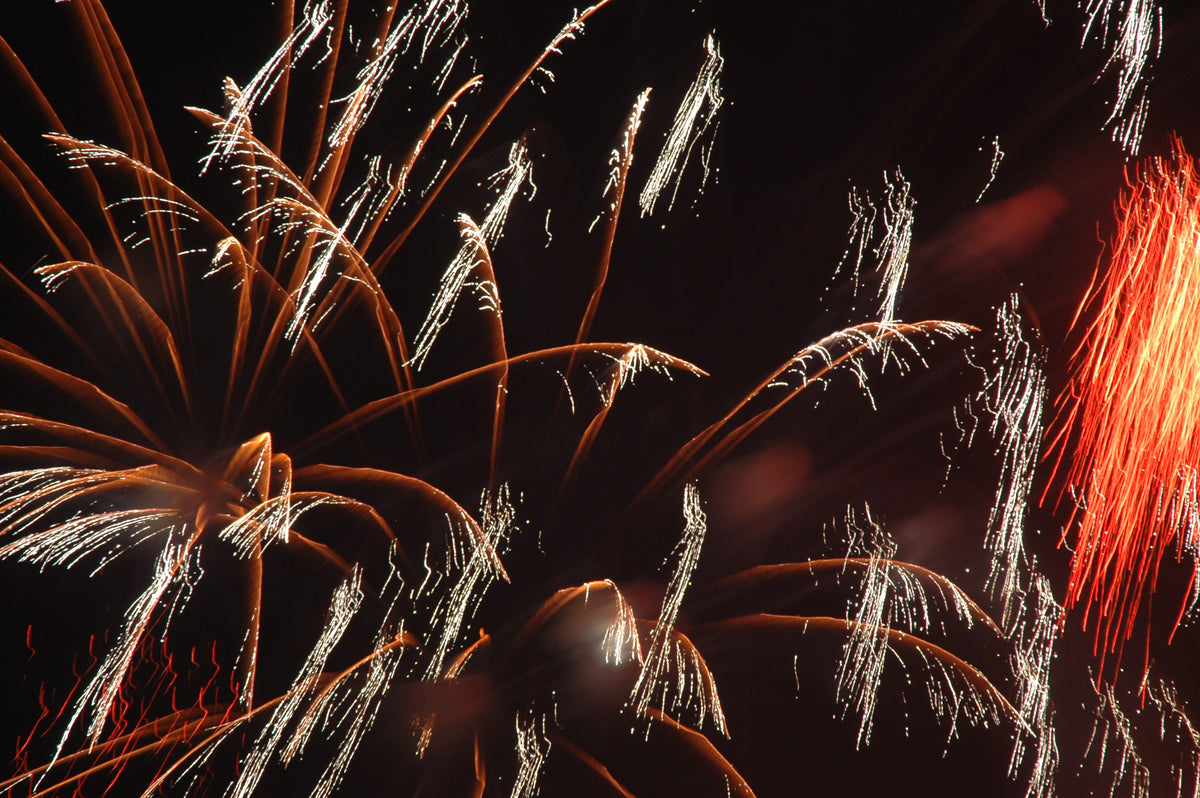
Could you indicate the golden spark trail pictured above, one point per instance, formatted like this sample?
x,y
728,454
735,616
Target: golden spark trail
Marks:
x,y
1134,403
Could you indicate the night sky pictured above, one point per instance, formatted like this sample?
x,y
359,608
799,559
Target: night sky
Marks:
x,y
819,99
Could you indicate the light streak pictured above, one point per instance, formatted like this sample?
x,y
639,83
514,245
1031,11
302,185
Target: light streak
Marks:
x,y
1033,634
883,230
997,157
479,568
1134,41
1014,395
650,678
347,599
621,643
892,597
893,246
98,699
694,684
516,174
1117,753
1174,722
434,23
314,22
1134,403
346,710
696,116
533,746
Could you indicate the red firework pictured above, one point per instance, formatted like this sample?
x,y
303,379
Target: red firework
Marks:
x,y
1134,403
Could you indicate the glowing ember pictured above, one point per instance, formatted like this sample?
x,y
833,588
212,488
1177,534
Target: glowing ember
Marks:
x,y
1135,402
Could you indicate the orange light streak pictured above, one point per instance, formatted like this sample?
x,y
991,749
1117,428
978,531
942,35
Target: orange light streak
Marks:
x,y
1134,403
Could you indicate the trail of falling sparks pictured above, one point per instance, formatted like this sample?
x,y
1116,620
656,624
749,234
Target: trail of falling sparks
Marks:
x,y
1174,720
1010,406
1114,728
693,684
533,746
175,572
894,216
512,177
1014,395
1135,404
435,24
997,157
696,115
1134,42
1033,635
345,604
346,709
863,657
480,568
314,23
892,597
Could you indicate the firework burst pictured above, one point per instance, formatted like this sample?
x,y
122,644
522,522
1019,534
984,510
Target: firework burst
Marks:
x,y
227,398
1133,405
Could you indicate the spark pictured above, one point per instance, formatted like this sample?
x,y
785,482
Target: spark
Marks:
x,y
1113,728
435,24
893,596
272,520
347,709
892,250
480,568
696,116
694,683
1134,404
517,173
841,350
31,498
315,20
1174,721
371,198
1135,43
1033,635
176,568
1041,4
866,648
893,217
1014,396
997,156
621,643
347,599
533,746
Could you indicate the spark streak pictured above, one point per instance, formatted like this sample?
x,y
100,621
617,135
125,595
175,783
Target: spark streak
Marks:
x,y
694,683
533,746
516,174
997,157
891,598
1014,396
696,115
1134,403
1133,46
345,604
894,218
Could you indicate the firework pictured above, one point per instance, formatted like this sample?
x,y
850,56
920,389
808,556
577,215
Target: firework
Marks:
x,y
240,396
1132,406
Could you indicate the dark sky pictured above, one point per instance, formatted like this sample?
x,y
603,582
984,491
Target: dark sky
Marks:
x,y
819,98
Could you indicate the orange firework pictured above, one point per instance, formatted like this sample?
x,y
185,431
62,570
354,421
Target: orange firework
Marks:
x,y
1135,404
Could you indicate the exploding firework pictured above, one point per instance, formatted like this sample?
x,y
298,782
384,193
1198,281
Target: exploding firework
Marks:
x,y
152,437
1132,405
223,387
